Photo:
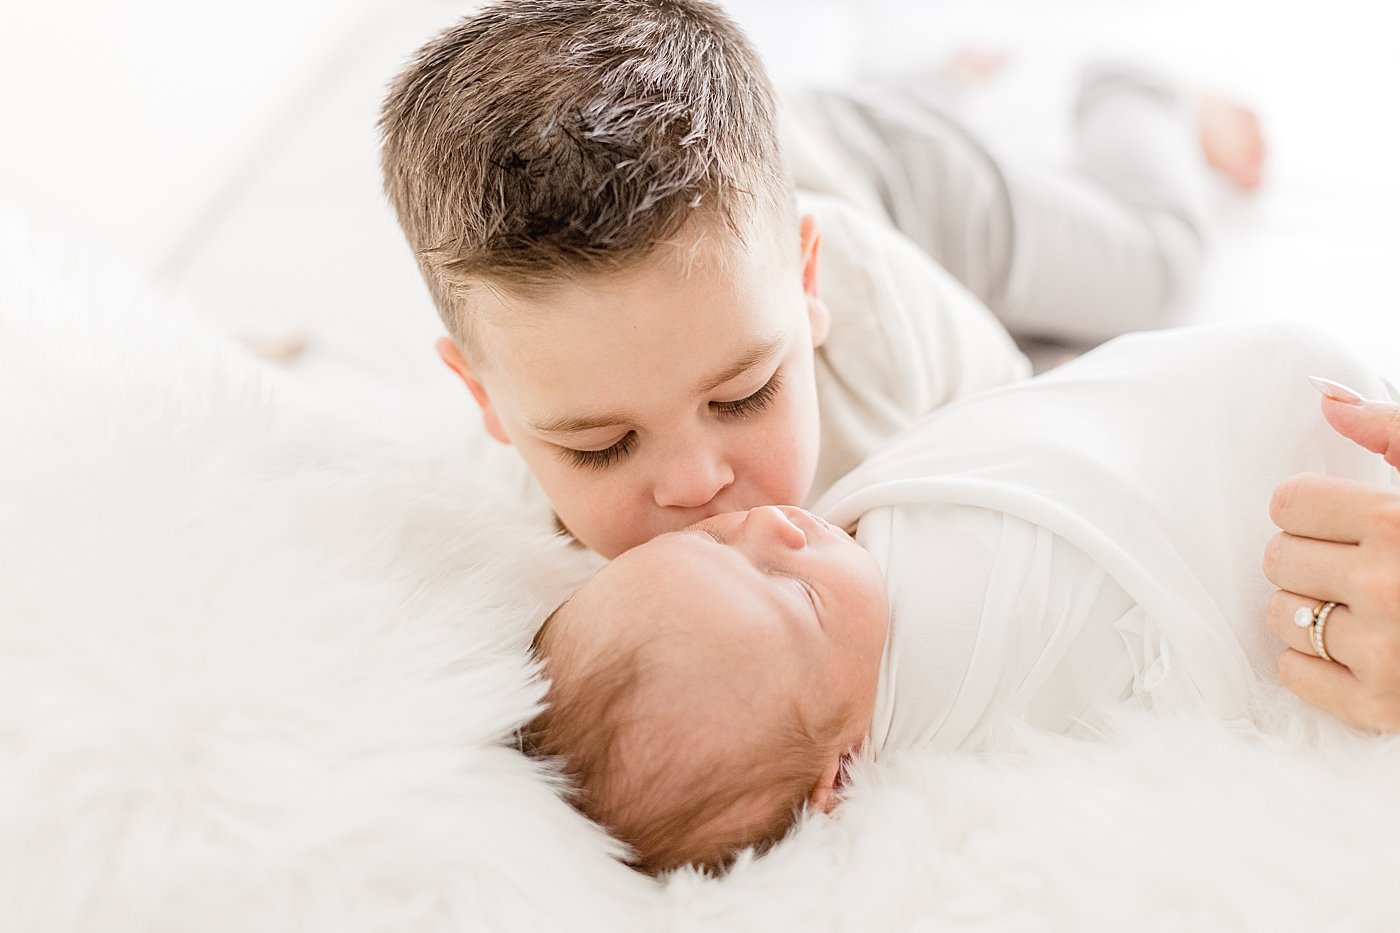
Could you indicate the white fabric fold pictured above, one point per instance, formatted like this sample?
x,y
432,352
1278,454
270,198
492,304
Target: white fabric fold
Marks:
x,y
1096,533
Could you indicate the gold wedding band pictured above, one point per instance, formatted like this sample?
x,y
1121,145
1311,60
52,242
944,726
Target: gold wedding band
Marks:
x,y
1319,629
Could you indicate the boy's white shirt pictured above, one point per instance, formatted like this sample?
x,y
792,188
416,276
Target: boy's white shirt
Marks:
x,y
905,339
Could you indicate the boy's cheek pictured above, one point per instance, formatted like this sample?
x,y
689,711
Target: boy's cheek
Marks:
x,y
588,504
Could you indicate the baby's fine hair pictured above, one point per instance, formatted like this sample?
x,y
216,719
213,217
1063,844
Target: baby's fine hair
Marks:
x,y
641,778
542,138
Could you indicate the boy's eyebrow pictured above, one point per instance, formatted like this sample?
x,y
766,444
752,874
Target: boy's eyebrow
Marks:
x,y
744,363
572,424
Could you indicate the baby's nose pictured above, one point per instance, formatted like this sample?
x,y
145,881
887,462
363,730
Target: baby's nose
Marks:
x,y
772,523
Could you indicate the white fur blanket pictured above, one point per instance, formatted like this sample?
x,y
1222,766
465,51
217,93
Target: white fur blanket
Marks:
x,y
259,670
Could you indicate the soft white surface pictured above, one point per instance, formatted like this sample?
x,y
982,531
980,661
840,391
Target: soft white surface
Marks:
x,y
257,667
260,667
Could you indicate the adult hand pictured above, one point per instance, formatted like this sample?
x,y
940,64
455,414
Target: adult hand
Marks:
x,y
1340,542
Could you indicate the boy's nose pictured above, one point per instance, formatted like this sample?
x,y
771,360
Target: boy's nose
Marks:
x,y
690,481
770,523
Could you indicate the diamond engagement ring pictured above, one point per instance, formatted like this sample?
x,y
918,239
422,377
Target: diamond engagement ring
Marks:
x,y
1319,630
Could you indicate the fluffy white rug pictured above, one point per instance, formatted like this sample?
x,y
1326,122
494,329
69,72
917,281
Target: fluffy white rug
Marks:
x,y
256,669
259,669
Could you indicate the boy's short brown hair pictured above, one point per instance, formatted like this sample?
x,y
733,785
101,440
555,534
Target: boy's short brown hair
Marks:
x,y
542,138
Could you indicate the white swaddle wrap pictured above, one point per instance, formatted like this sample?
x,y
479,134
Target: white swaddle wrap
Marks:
x,y
1096,533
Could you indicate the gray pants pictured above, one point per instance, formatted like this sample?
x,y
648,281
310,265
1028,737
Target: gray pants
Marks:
x,y
1110,244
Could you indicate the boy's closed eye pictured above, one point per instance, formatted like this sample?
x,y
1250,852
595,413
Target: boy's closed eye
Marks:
x,y
746,407
754,403
600,459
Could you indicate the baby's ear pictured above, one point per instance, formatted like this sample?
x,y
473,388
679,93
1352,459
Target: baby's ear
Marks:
x,y
823,796
448,351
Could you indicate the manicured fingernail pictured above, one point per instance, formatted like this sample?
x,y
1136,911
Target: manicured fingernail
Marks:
x,y
1334,390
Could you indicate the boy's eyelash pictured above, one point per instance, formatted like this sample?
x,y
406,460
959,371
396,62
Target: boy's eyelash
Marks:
x,y
742,408
754,404
600,459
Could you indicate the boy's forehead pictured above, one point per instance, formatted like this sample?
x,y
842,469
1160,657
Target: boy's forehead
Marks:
x,y
606,337
697,262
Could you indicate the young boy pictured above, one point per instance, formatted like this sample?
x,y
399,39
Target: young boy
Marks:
x,y
601,208
1036,552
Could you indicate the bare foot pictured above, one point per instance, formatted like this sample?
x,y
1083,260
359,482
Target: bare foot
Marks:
x,y
280,349
1231,140
972,67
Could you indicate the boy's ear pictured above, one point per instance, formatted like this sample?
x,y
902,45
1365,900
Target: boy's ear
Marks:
x,y
447,350
823,796
818,315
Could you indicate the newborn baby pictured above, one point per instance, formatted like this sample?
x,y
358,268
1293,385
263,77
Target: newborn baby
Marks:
x,y
1090,537
707,684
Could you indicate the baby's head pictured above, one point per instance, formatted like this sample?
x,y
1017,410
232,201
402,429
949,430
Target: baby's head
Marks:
x,y
707,685
596,195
